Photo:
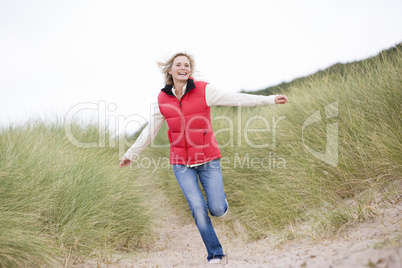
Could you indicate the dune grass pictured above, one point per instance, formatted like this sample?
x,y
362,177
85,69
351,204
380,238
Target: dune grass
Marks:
x,y
327,158
275,167
59,201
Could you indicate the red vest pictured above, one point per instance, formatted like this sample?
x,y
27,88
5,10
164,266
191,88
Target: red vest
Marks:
x,y
191,138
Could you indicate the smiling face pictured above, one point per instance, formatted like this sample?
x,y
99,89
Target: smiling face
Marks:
x,y
181,69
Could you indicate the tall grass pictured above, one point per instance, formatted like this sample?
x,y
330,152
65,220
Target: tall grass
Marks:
x,y
59,202
283,184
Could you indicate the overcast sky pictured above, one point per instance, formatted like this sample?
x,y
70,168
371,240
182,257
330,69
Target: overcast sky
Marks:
x,y
56,55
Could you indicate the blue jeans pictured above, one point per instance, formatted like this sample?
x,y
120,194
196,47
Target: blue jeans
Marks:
x,y
210,176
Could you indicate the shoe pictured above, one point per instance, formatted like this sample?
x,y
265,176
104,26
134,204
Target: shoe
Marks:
x,y
212,261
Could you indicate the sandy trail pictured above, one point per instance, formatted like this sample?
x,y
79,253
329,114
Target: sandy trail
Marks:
x,y
373,243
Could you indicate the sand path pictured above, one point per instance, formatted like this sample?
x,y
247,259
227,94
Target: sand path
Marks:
x,y
373,243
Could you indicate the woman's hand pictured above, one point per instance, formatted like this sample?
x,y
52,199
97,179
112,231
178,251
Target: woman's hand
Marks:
x,y
125,162
281,99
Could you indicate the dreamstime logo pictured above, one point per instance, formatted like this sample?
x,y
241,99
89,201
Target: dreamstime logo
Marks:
x,y
331,150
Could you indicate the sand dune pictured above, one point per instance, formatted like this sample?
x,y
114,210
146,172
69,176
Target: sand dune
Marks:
x,y
373,243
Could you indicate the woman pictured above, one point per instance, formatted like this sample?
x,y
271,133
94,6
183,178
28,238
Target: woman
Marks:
x,y
194,154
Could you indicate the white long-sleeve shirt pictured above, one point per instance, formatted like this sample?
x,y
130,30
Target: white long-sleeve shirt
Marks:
x,y
213,96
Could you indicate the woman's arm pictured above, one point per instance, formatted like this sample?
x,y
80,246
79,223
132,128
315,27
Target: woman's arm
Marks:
x,y
146,136
219,97
281,99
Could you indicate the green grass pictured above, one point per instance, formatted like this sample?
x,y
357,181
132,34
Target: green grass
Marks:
x,y
59,202
272,188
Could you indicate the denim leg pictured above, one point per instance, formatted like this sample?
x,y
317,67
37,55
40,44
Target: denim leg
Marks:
x,y
211,180
188,181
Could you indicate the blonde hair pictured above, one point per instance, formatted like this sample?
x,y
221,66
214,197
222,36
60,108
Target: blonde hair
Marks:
x,y
167,65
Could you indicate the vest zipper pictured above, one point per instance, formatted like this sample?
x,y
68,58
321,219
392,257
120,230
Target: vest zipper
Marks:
x,y
184,130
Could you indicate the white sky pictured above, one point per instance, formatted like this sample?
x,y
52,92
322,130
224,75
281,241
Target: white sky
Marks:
x,y
57,54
